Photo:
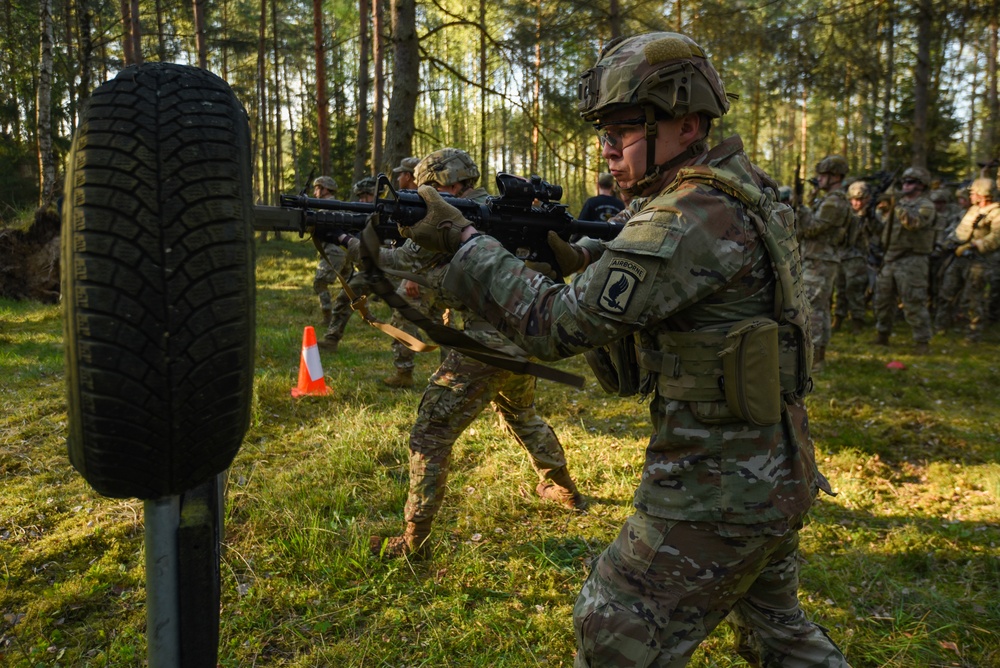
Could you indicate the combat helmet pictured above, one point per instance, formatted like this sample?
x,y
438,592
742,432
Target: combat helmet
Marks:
x,y
918,174
940,195
832,164
666,75
365,186
446,167
784,193
665,70
983,187
325,182
858,190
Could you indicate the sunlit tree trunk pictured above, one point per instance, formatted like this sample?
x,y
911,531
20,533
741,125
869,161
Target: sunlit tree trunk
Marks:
x,y
279,167
161,36
992,106
46,160
265,183
536,91
199,33
322,102
483,148
135,30
888,86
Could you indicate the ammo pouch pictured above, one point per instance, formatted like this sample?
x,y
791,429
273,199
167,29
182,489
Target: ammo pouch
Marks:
x,y
734,375
616,366
750,377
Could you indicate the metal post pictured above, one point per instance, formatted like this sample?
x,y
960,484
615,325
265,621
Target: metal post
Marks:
x,y
162,615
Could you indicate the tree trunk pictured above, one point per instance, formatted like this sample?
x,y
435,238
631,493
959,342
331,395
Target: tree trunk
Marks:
x,y
483,149
615,19
199,33
46,159
378,115
888,86
127,51
536,91
161,35
921,84
84,17
136,32
322,102
361,148
992,106
405,81
279,173
265,183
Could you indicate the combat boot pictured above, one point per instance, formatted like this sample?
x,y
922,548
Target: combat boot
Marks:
x,y
921,348
412,543
882,339
560,488
819,359
327,344
401,379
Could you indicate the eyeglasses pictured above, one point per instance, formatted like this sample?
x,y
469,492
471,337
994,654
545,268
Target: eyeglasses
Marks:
x,y
613,133
910,182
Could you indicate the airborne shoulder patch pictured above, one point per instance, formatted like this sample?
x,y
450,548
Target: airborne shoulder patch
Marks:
x,y
623,277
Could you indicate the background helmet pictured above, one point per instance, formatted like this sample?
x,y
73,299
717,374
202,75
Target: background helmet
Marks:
x,y
784,193
664,69
940,195
365,186
858,190
982,187
325,182
918,174
832,164
446,167
406,165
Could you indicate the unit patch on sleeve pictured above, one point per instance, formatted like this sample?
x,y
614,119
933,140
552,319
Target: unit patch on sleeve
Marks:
x,y
623,276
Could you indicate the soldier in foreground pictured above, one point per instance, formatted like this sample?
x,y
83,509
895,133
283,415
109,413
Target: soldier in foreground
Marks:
x,y
908,239
707,268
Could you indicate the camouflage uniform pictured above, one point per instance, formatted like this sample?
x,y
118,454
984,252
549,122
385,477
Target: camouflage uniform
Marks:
x,y
852,275
457,393
822,238
968,274
710,258
332,260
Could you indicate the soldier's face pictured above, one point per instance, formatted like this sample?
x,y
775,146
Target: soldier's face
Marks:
x,y
857,204
623,143
406,181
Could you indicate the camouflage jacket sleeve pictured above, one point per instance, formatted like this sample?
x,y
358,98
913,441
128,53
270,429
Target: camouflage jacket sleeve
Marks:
x,y
915,214
595,246
989,242
651,271
830,217
407,257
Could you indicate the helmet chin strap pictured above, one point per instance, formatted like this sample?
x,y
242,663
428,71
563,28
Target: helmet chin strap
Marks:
x,y
654,171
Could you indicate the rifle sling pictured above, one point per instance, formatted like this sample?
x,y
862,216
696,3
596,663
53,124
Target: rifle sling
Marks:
x,y
444,335
360,304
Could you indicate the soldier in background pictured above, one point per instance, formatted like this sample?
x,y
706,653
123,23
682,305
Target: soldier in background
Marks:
x,y
852,275
604,205
332,260
462,387
908,239
945,221
973,243
404,173
822,237
341,311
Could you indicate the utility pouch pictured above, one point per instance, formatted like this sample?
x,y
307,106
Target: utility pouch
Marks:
x,y
750,373
616,366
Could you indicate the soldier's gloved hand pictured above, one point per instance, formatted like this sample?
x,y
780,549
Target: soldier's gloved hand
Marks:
x,y
543,268
964,248
441,229
570,257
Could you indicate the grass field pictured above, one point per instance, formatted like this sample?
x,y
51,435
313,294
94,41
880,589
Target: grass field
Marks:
x,y
902,566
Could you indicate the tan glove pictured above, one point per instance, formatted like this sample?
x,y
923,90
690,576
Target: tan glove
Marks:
x,y
570,257
441,229
964,248
543,268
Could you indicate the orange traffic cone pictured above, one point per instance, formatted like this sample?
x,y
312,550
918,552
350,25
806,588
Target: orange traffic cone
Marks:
x,y
311,379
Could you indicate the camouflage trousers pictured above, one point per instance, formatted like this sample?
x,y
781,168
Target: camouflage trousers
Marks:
x,y
819,277
993,314
904,279
342,311
851,285
458,391
663,585
326,274
964,282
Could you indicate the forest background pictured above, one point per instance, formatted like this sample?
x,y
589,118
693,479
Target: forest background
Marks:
x,y
348,89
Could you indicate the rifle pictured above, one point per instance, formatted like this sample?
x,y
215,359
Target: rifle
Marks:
x,y
882,180
520,217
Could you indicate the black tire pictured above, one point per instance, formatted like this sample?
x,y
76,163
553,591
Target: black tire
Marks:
x,y
158,282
